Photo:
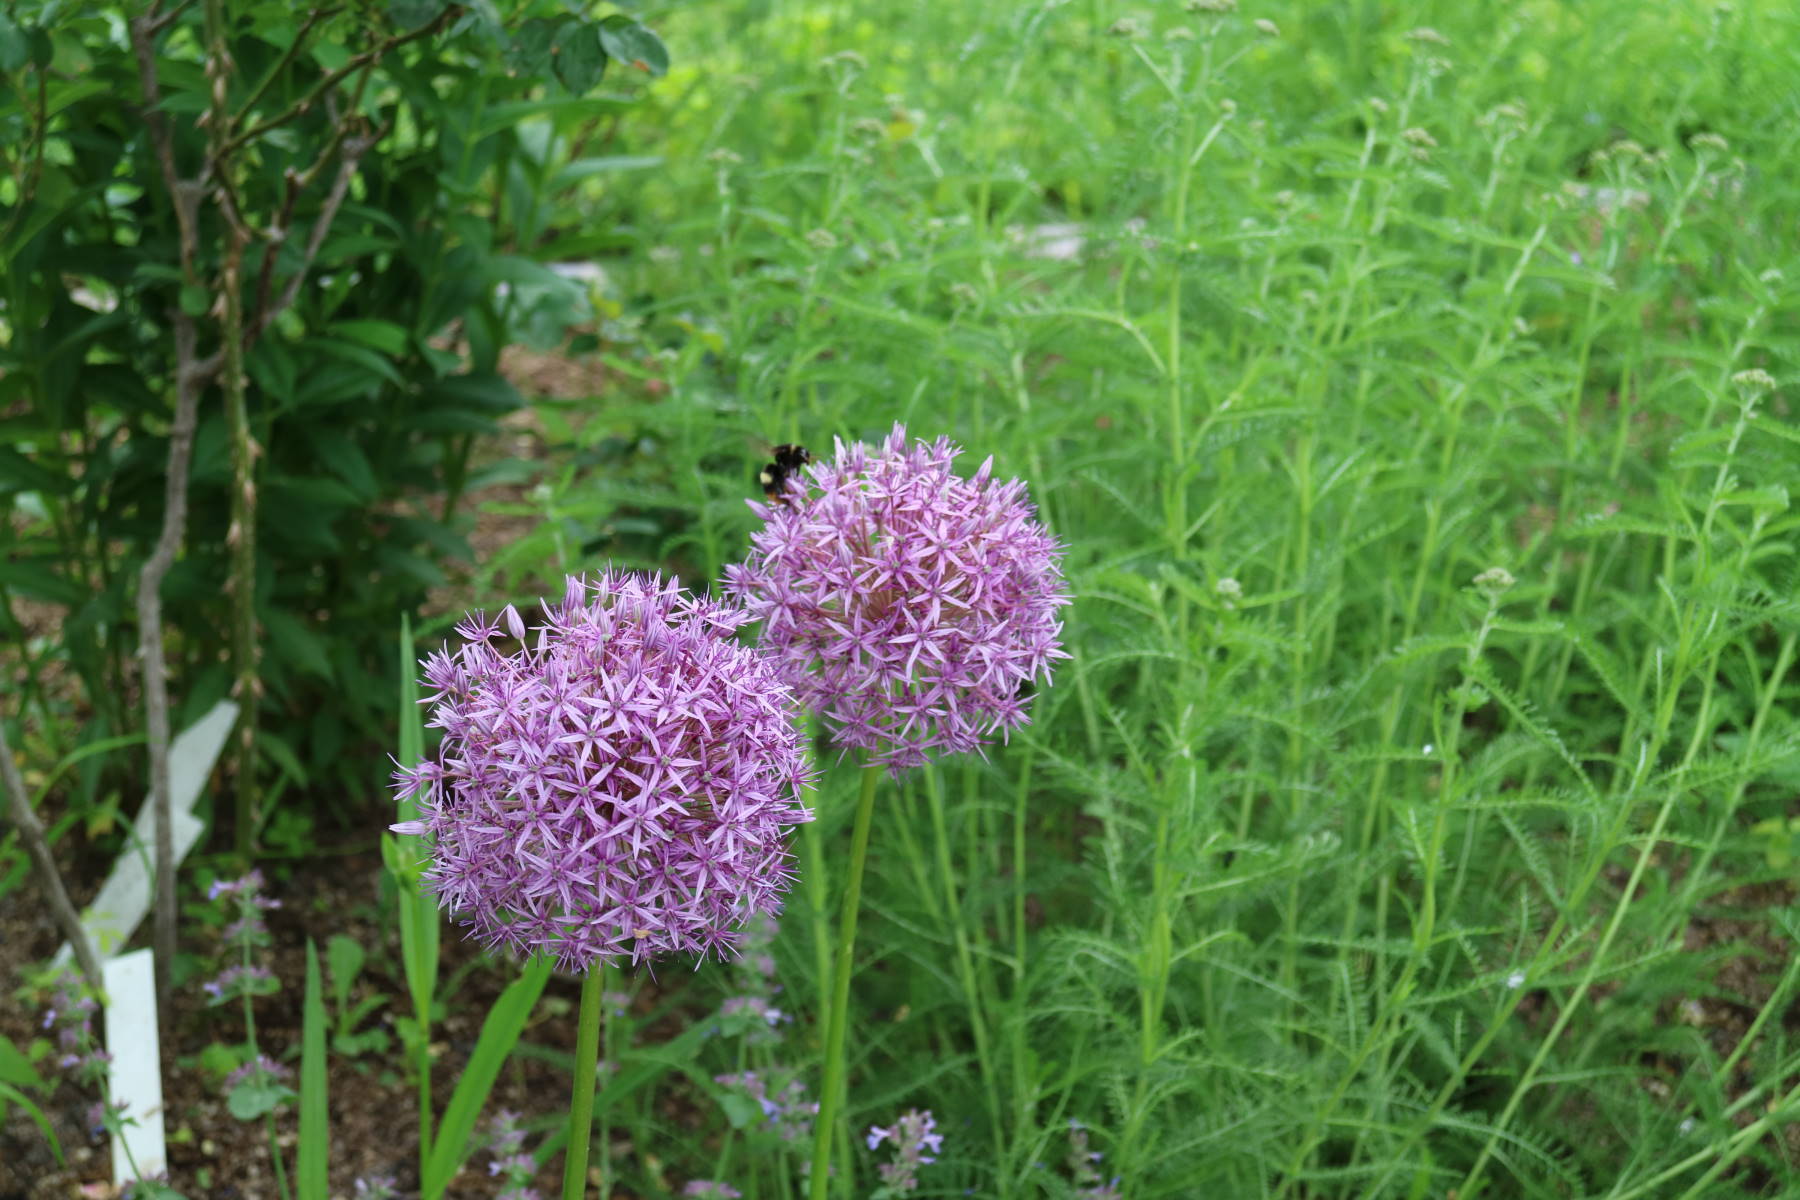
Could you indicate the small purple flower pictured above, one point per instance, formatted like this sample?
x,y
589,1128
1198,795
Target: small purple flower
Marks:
x,y
260,1069
913,1135
909,606
785,1113
240,980
375,1187
620,786
506,1141
711,1189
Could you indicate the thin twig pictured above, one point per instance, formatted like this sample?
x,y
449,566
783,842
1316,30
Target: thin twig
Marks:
x,y
300,106
31,832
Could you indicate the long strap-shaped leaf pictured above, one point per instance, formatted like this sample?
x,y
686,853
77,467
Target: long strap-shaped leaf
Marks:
x,y
406,859
499,1034
314,1153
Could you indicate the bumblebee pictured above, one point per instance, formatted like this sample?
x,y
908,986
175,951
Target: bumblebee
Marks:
x,y
788,459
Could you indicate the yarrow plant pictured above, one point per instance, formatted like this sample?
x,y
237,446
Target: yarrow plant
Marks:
x,y
915,1142
909,606
916,611
618,784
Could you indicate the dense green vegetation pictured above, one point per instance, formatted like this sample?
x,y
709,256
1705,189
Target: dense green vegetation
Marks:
x,y
1410,383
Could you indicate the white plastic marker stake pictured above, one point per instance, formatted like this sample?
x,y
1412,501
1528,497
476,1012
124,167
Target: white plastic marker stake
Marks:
x,y
138,1148
124,898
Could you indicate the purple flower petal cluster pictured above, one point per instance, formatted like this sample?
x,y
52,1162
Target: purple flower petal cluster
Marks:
x,y
259,1069
240,980
71,1012
506,1141
785,1113
711,1189
911,607
913,1135
618,786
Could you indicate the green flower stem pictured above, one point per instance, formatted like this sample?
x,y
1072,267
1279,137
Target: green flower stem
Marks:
x,y
587,1076
831,1098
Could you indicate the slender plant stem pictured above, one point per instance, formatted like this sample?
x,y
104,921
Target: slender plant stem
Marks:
x,y
831,1098
587,1075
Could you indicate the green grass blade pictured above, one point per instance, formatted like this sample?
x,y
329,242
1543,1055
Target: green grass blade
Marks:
x,y
314,1152
10,1093
499,1034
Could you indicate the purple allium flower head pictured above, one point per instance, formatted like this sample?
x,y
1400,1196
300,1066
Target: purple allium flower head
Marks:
x,y
711,1189
908,605
619,786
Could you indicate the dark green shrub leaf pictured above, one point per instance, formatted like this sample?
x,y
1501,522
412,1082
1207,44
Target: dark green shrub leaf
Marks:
x,y
293,642
528,53
630,42
384,336
15,47
578,57
194,300
411,14
21,474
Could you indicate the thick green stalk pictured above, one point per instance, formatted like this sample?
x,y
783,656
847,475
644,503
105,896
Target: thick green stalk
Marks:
x,y
831,1098
587,1075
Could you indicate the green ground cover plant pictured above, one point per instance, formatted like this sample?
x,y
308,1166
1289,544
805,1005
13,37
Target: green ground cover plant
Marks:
x,y
1411,385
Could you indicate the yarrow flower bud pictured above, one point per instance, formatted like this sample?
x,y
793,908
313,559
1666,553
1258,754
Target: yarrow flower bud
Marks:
x,y
912,1135
1754,380
909,606
619,786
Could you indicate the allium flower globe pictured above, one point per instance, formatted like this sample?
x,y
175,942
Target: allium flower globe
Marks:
x,y
621,785
908,605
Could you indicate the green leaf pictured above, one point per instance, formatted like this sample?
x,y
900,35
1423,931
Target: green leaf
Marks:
x,y
499,1034
578,58
411,14
16,1069
255,1098
32,577
194,299
314,1152
21,474
13,1094
384,336
345,956
528,53
584,168
296,644
357,354
344,457
630,42
15,48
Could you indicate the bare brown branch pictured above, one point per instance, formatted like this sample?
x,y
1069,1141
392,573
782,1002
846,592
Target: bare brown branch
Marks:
x,y
31,832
